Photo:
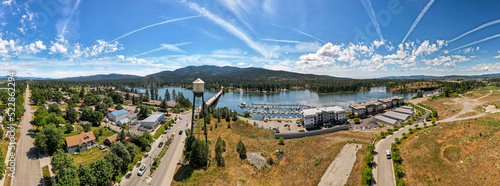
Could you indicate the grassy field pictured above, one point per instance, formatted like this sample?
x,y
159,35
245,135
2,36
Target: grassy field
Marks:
x,y
478,92
455,153
85,157
297,167
159,132
444,110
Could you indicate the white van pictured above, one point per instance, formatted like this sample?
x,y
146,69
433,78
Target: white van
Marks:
x,y
388,153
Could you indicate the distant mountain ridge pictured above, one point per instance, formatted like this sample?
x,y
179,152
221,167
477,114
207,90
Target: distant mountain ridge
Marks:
x,y
100,77
210,72
497,75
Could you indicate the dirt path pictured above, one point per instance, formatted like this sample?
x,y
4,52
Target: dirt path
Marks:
x,y
340,168
468,106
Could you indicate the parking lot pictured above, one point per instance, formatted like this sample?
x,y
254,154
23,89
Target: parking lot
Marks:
x,y
366,123
279,123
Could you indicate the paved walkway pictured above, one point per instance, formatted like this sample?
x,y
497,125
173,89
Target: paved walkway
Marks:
x,y
339,170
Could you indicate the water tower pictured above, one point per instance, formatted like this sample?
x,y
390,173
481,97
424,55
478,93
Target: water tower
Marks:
x,y
198,90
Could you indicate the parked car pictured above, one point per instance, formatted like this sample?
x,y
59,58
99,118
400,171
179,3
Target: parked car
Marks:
x,y
164,132
102,147
180,132
355,127
285,125
161,144
279,121
142,170
105,150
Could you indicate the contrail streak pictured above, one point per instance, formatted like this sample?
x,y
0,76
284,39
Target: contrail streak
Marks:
x,y
308,35
476,29
156,24
369,10
69,17
228,27
475,42
418,19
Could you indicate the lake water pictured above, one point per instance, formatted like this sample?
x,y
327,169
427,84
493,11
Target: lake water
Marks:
x,y
233,99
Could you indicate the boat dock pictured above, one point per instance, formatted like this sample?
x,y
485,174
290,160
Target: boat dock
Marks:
x,y
276,110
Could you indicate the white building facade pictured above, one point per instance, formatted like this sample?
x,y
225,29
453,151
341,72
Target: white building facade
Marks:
x,y
316,116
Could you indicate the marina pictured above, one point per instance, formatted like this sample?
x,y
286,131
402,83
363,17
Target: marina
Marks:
x,y
274,110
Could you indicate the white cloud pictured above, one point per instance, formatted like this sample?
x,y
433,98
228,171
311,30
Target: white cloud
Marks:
x,y
241,64
425,48
448,61
120,57
36,47
59,46
378,43
485,67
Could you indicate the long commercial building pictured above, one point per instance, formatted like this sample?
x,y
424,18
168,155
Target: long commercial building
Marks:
x,y
315,117
397,116
374,107
117,115
385,120
153,120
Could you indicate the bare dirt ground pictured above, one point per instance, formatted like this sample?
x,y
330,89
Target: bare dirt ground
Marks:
x,y
469,106
491,109
339,170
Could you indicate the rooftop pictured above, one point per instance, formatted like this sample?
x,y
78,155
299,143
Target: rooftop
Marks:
x,y
154,117
396,115
385,119
119,112
80,138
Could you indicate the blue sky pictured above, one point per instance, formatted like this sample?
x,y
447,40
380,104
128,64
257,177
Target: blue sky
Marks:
x,y
346,38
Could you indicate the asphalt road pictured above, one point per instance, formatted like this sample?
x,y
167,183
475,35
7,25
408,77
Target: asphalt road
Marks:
x,y
28,171
383,168
171,158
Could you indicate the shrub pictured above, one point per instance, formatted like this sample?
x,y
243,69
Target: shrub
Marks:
x,y
281,141
356,121
270,161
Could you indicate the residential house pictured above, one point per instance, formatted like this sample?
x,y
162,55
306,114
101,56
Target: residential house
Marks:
x,y
81,142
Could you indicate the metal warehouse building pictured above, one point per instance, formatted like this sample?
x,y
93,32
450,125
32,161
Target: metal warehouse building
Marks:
x,y
385,120
117,115
152,121
397,116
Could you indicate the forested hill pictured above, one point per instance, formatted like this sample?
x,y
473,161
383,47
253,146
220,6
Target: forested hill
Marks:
x,y
250,79
100,77
256,79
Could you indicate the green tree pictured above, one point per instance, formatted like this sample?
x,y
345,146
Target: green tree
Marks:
x,y
281,141
167,95
121,136
71,114
144,111
57,97
86,176
119,107
367,175
64,169
200,154
69,128
86,127
116,161
3,167
101,171
82,93
49,139
241,149
54,108
40,116
219,149
356,121
117,97
52,118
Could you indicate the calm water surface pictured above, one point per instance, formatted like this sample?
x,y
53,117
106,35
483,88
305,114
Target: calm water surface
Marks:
x,y
233,99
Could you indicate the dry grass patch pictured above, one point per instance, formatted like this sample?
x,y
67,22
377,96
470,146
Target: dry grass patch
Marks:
x,y
455,153
297,167
477,93
444,107
473,113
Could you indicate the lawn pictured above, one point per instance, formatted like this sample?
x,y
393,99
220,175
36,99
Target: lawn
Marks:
x,y
454,153
85,157
296,168
159,132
